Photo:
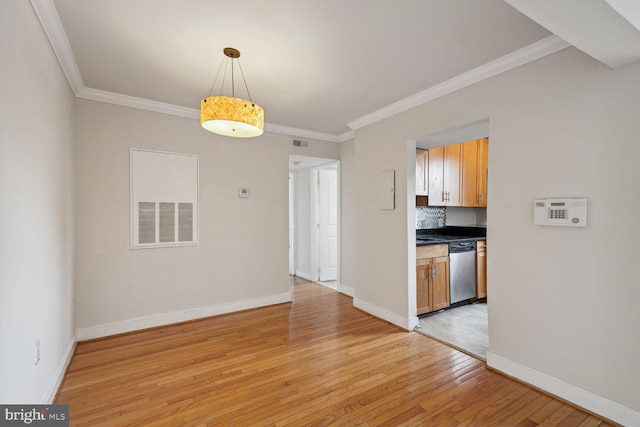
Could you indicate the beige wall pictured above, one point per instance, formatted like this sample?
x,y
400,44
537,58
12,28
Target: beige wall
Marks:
x,y
36,218
562,302
347,217
242,258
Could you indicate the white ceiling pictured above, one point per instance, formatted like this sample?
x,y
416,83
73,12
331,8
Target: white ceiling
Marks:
x,y
318,68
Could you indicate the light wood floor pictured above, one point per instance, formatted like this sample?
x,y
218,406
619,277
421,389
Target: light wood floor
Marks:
x,y
316,362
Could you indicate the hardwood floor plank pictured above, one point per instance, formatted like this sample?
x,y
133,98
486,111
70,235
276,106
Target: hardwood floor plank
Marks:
x,y
527,423
557,416
386,400
495,413
574,419
545,411
520,409
592,421
316,361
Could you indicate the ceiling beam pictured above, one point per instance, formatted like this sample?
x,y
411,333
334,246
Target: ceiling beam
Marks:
x,y
605,30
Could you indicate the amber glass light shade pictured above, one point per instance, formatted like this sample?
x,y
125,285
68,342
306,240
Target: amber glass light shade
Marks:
x,y
231,116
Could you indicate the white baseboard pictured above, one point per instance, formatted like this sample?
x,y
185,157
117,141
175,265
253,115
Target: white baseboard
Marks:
x,y
347,290
178,316
583,398
382,313
332,286
57,379
305,275
413,322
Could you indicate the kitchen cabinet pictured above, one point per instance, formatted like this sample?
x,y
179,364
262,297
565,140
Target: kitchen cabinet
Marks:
x,y
483,170
422,173
481,269
432,278
445,175
474,172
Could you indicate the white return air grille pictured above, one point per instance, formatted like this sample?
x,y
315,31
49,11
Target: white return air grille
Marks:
x,y
157,222
164,199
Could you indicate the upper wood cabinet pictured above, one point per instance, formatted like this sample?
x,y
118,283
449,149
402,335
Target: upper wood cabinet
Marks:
x,y
422,173
474,172
445,175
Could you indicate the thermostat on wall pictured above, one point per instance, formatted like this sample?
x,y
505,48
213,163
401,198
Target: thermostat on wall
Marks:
x,y
243,193
560,212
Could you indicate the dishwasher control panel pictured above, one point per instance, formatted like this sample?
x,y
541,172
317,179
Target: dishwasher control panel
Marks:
x,y
560,212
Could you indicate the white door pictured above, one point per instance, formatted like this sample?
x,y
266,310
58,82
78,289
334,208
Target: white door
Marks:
x,y
328,223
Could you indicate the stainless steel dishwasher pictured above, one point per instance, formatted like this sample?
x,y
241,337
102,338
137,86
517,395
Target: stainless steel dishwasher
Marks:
x,y
462,268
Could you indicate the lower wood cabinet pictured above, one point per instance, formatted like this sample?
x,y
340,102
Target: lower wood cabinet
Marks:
x,y
432,278
481,269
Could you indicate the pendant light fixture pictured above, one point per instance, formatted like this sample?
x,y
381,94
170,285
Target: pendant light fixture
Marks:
x,y
231,116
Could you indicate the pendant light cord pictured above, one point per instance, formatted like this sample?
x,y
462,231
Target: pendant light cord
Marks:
x,y
233,84
216,79
245,82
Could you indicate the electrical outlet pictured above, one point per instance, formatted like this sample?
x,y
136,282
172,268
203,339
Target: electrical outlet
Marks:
x,y
37,352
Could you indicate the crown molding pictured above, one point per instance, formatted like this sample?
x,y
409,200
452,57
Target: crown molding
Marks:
x,y
345,136
139,103
50,22
507,62
52,26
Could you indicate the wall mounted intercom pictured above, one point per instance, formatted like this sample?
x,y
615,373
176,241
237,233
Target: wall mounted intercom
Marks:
x,y
560,212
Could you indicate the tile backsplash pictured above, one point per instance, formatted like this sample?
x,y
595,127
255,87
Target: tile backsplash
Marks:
x,y
430,217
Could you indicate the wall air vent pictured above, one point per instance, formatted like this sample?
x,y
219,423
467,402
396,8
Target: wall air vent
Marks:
x,y
300,143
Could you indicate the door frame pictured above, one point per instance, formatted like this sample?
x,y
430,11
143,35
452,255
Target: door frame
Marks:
x,y
313,164
465,132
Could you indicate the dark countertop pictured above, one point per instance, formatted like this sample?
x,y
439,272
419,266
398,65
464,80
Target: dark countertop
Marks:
x,y
450,234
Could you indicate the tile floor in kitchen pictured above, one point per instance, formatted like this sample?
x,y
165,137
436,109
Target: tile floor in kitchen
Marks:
x,y
464,327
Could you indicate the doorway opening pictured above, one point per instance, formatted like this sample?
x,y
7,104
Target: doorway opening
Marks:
x,y
462,326
314,219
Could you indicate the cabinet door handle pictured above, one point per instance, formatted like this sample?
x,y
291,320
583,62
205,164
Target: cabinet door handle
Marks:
x,y
434,270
